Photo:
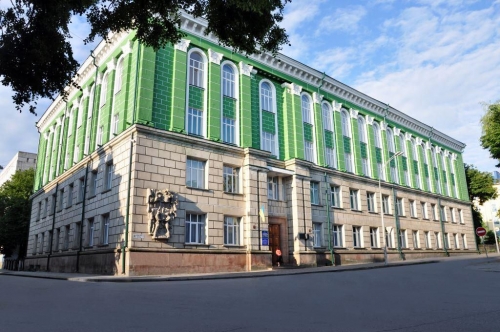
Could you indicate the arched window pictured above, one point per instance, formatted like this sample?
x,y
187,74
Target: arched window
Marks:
x,y
392,151
376,135
268,123
104,91
379,156
453,178
445,176
230,104
80,114
330,156
196,70
308,125
365,165
436,170
89,121
196,117
346,133
421,149
228,81
119,76
416,172
402,148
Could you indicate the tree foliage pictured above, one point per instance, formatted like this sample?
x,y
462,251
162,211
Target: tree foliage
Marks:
x,y
490,237
490,138
15,210
479,184
36,58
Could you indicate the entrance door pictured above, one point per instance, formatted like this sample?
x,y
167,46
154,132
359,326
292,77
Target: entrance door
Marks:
x,y
274,241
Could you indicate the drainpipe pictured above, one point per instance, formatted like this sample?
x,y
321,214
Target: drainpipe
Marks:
x,y
129,186
258,208
53,224
304,215
80,245
396,218
330,247
442,227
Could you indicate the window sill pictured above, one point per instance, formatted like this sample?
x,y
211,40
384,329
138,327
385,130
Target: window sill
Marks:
x,y
417,248
233,246
67,207
320,248
233,194
359,248
317,205
91,197
105,191
59,210
373,212
375,248
88,247
355,210
425,219
337,208
197,245
103,245
200,189
414,218
388,214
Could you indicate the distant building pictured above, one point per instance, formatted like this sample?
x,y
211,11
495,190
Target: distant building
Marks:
x,y
496,176
489,211
22,161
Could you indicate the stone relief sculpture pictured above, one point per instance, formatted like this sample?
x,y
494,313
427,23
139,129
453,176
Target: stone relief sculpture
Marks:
x,y
162,209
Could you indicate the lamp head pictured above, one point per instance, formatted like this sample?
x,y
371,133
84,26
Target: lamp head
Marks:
x,y
398,153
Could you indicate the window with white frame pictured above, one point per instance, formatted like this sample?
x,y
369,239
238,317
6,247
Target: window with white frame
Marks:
x,y
309,151
76,155
308,124
42,241
402,148
385,204
90,233
105,229
315,193
415,162
338,236
109,176
35,244
452,215
327,117
446,240
99,136
346,133
93,184
195,122
116,123
374,237
231,179
267,104
195,173
56,239
229,130
354,199
357,237
331,159
399,207
269,142
66,238
437,239
464,241
46,210
39,211
76,236
370,200
423,210
104,91
413,209
434,212
416,240
266,97
443,213
427,236
81,189
365,165
195,228
66,161
402,238
443,164
70,195
306,109
318,234
389,238
335,191
392,164
118,76
232,231
461,216
228,81
273,187
196,70
79,119
89,121
379,151
457,243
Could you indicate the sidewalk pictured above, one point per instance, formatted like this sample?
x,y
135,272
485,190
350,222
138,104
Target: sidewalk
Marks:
x,y
235,275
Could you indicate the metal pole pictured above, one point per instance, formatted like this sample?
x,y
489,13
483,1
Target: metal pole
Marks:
x,y
382,221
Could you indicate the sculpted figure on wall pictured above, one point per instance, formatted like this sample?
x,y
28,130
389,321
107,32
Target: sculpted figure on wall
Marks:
x,y
162,209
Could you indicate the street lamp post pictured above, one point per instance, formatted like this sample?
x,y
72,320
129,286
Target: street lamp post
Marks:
x,y
382,208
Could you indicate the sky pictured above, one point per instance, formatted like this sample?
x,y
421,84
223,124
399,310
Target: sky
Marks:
x,y
435,60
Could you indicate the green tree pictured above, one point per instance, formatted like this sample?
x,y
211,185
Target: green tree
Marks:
x,y
15,211
489,238
36,58
490,138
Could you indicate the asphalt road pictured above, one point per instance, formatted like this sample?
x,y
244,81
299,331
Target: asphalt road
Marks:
x,y
448,296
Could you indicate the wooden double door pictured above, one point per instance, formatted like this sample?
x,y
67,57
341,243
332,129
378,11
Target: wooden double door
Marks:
x,y
274,241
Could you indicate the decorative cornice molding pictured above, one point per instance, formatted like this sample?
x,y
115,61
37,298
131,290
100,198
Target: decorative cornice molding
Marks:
x,y
428,145
408,136
182,45
317,98
46,135
127,48
383,125
438,149
214,57
418,140
354,113
369,120
245,69
397,131
336,106
86,92
292,88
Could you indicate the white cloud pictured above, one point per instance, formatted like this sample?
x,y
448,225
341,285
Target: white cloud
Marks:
x,y
343,19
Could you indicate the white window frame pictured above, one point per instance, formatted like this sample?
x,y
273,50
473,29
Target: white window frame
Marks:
x,y
90,232
69,202
357,236
427,236
314,186
191,111
338,236
273,187
403,238
386,204
119,75
105,229
354,199
374,237
437,237
335,196
116,123
362,136
413,208
104,90
195,222
195,171
464,241
269,138
461,216
231,179
232,227
109,176
416,239
94,183
371,202
423,209
230,126
317,234
400,207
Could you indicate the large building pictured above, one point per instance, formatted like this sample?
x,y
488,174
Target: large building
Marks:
x,y
259,153
21,161
489,211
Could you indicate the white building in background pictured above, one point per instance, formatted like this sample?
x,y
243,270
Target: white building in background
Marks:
x,y
489,211
22,161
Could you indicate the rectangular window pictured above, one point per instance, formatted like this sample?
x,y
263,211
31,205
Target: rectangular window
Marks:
x,y
354,199
66,238
335,190
81,186
388,239
394,175
318,234
231,179
195,173
46,210
446,240
427,236
116,122
464,241
370,199
437,237
309,151
413,209
461,216
99,136
39,211
56,239
35,244
315,193
364,167
42,242
53,204
423,209
356,237
457,244
195,228
195,122
70,196
76,154
93,184
331,161
407,178
374,237
380,171
77,235
105,229
269,142
338,236
228,130
399,207
60,200
434,214
443,213
385,204
273,187
232,231
348,162
452,215
109,176
402,238
416,240
90,233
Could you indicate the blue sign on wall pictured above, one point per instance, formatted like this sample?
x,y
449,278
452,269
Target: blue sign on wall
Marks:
x,y
265,238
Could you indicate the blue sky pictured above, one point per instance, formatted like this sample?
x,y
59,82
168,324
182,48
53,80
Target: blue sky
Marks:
x,y
435,60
